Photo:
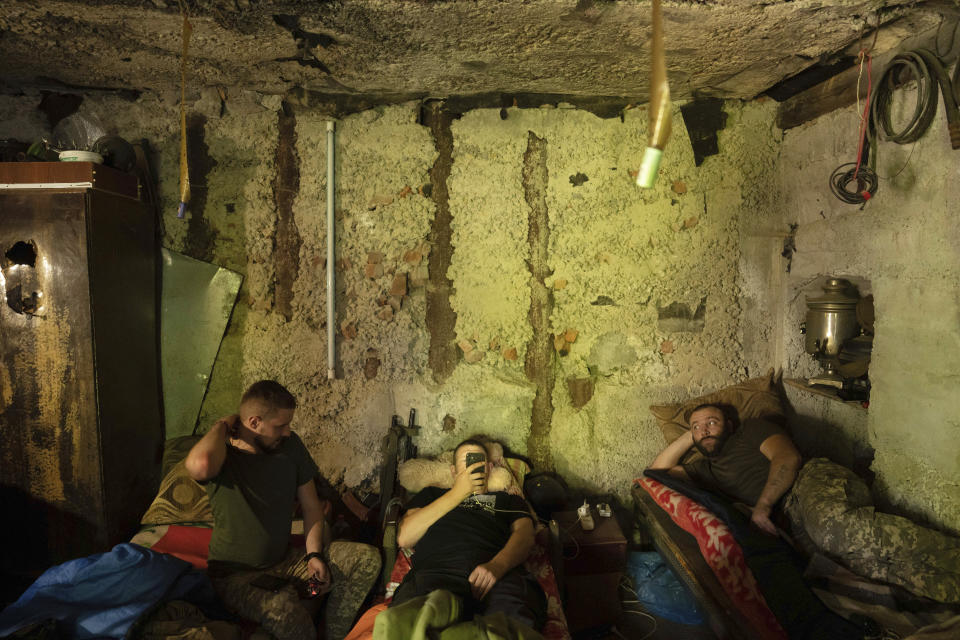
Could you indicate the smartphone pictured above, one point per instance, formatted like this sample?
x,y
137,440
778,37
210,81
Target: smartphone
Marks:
x,y
475,457
268,582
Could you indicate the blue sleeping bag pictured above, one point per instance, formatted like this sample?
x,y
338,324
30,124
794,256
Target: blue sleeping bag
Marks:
x,y
103,595
659,591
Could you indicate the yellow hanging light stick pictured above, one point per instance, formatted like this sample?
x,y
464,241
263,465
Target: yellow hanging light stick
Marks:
x,y
660,109
184,169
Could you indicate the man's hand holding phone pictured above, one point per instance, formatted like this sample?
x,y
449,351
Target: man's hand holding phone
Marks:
x,y
477,467
470,481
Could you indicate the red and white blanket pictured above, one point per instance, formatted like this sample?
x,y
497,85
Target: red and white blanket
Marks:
x,y
722,554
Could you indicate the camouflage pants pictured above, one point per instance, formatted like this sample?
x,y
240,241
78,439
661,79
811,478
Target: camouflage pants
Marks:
x,y
833,507
354,568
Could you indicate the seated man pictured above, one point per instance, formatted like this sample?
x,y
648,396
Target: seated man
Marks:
x,y
472,543
755,463
254,468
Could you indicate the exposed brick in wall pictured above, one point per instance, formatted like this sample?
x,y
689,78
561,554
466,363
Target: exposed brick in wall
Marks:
x,y
441,318
287,241
538,364
201,237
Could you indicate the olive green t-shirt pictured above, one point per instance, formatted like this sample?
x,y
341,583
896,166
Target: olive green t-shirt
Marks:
x,y
741,469
252,500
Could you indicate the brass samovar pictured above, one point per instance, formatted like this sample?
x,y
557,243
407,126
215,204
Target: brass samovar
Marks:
x,y
830,322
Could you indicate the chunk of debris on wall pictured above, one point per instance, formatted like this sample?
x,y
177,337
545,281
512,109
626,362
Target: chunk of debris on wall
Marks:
x,y
610,353
677,317
581,390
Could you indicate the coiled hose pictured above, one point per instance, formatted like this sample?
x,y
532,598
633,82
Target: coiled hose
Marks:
x,y
924,67
865,179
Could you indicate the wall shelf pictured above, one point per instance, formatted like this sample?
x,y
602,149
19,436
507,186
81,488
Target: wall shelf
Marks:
x,y
819,390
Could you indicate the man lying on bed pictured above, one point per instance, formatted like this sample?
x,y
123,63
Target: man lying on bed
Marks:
x,y
254,468
472,543
755,463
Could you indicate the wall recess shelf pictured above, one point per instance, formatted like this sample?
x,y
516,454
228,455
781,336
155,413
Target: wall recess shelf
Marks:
x,y
826,392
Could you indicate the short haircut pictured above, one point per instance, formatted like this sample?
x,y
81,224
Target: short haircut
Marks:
x,y
468,441
729,413
271,394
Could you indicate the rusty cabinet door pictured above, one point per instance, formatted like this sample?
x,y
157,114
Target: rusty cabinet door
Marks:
x,y
124,267
80,417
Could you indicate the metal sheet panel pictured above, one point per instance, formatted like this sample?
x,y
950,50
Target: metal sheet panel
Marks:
x,y
198,298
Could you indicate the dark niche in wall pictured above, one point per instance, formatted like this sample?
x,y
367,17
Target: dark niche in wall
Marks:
x,y
703,118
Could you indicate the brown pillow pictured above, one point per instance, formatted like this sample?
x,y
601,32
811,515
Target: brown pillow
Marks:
x,y
180,500
754,398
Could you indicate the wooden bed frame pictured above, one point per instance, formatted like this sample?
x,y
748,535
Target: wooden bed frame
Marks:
x,y
681,552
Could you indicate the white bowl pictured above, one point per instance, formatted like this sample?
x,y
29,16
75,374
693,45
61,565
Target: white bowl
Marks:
x,y
74,155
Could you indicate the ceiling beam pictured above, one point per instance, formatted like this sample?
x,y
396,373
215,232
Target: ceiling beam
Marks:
x,y
908,33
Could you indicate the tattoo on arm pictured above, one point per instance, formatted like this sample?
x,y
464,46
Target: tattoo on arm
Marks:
x,y
782,472
778,482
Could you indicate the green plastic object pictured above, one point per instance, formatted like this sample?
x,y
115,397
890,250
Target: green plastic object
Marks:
x,y
649,168
197,300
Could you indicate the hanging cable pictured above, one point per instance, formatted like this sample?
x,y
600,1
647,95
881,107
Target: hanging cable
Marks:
x,y
865,187
926,69
953,36
187,29
858,184
904,166
861,176
865,115
956,81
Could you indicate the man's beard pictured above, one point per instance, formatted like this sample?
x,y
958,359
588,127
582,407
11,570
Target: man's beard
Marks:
x,y
270,449
719,441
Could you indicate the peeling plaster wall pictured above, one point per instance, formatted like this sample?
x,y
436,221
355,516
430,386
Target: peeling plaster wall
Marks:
x,y
823,427
382,159
643,292
617,254
904,247
626,273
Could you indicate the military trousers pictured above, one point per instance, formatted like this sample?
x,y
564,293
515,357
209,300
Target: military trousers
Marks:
x,y
353,567
833,508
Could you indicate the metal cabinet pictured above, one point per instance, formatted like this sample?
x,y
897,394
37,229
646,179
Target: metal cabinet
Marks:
x,y
81,430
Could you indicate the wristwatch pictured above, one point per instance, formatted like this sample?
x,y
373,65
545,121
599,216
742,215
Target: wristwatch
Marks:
x,y
313,554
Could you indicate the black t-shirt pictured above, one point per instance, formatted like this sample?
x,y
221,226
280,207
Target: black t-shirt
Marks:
x,y
741,469
252,500
470,534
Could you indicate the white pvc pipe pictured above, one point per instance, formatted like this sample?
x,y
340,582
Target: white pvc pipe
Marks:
x,y
331,266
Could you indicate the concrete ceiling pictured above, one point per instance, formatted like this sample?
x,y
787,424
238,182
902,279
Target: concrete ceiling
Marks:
x,y
440,48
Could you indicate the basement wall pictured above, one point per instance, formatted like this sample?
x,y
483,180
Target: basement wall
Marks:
x,y
575,299
541,233
904,248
